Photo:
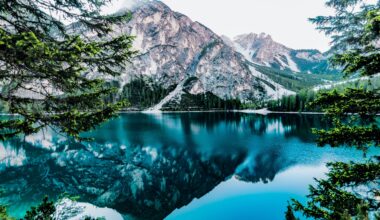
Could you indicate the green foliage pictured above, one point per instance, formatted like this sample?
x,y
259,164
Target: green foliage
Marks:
x,y
315,67
43,211
45,65
202,102
302,101
289,214
296,82
343,135
143,92
90,218
364,103
354,34
351,189
353,114
3,214
330,199
294,103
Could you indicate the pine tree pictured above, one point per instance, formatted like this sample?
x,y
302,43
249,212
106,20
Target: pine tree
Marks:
x,y
44,211
355,30
4,215
44,64
289,214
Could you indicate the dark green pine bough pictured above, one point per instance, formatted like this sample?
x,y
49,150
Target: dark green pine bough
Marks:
x,y
351,190
44,65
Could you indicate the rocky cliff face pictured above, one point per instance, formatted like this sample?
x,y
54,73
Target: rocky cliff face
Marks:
x,y
176,52
172,48
263,50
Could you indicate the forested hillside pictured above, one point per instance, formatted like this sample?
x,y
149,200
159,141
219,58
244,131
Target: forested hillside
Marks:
x,y
301,101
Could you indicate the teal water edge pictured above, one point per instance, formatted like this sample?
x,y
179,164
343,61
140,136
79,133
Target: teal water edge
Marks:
x,y
176,165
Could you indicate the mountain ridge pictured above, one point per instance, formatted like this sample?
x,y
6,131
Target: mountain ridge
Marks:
x,y
174,49
263,50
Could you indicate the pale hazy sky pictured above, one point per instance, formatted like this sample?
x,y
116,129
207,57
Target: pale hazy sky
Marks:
x,y
286,20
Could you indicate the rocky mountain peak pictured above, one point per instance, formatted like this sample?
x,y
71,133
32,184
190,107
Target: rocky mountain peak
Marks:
x,y
263,50
150,5
187,59
251,39
173,49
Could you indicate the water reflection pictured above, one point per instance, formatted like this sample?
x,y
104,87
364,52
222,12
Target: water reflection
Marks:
x,y
147,165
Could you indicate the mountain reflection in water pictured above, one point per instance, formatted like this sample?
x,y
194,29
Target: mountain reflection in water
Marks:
x,y
147,165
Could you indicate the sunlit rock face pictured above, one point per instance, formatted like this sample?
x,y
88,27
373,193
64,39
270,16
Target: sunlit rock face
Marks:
x,y
143,182
173,48
263,50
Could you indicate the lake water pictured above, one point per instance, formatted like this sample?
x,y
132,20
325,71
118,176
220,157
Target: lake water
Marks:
x,y
174,165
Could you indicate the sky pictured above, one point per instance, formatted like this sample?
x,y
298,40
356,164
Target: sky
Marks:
x,y
285,20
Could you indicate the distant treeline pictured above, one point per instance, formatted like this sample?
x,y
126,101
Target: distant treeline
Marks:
x,y
301,101
205,101
294,103
296,82
143,93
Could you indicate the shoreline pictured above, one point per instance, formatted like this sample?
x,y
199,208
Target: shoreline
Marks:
x,y
247,111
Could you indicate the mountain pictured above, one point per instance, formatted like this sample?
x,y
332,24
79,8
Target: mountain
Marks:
x,y
263,50
184,65
175,51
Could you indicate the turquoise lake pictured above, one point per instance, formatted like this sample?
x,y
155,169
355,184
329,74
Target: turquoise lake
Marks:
x,y
217,165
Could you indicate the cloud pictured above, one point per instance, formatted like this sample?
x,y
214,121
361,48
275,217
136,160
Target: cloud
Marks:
x,y
120,5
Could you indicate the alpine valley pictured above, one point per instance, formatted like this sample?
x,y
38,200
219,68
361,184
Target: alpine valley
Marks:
x,y
183,65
